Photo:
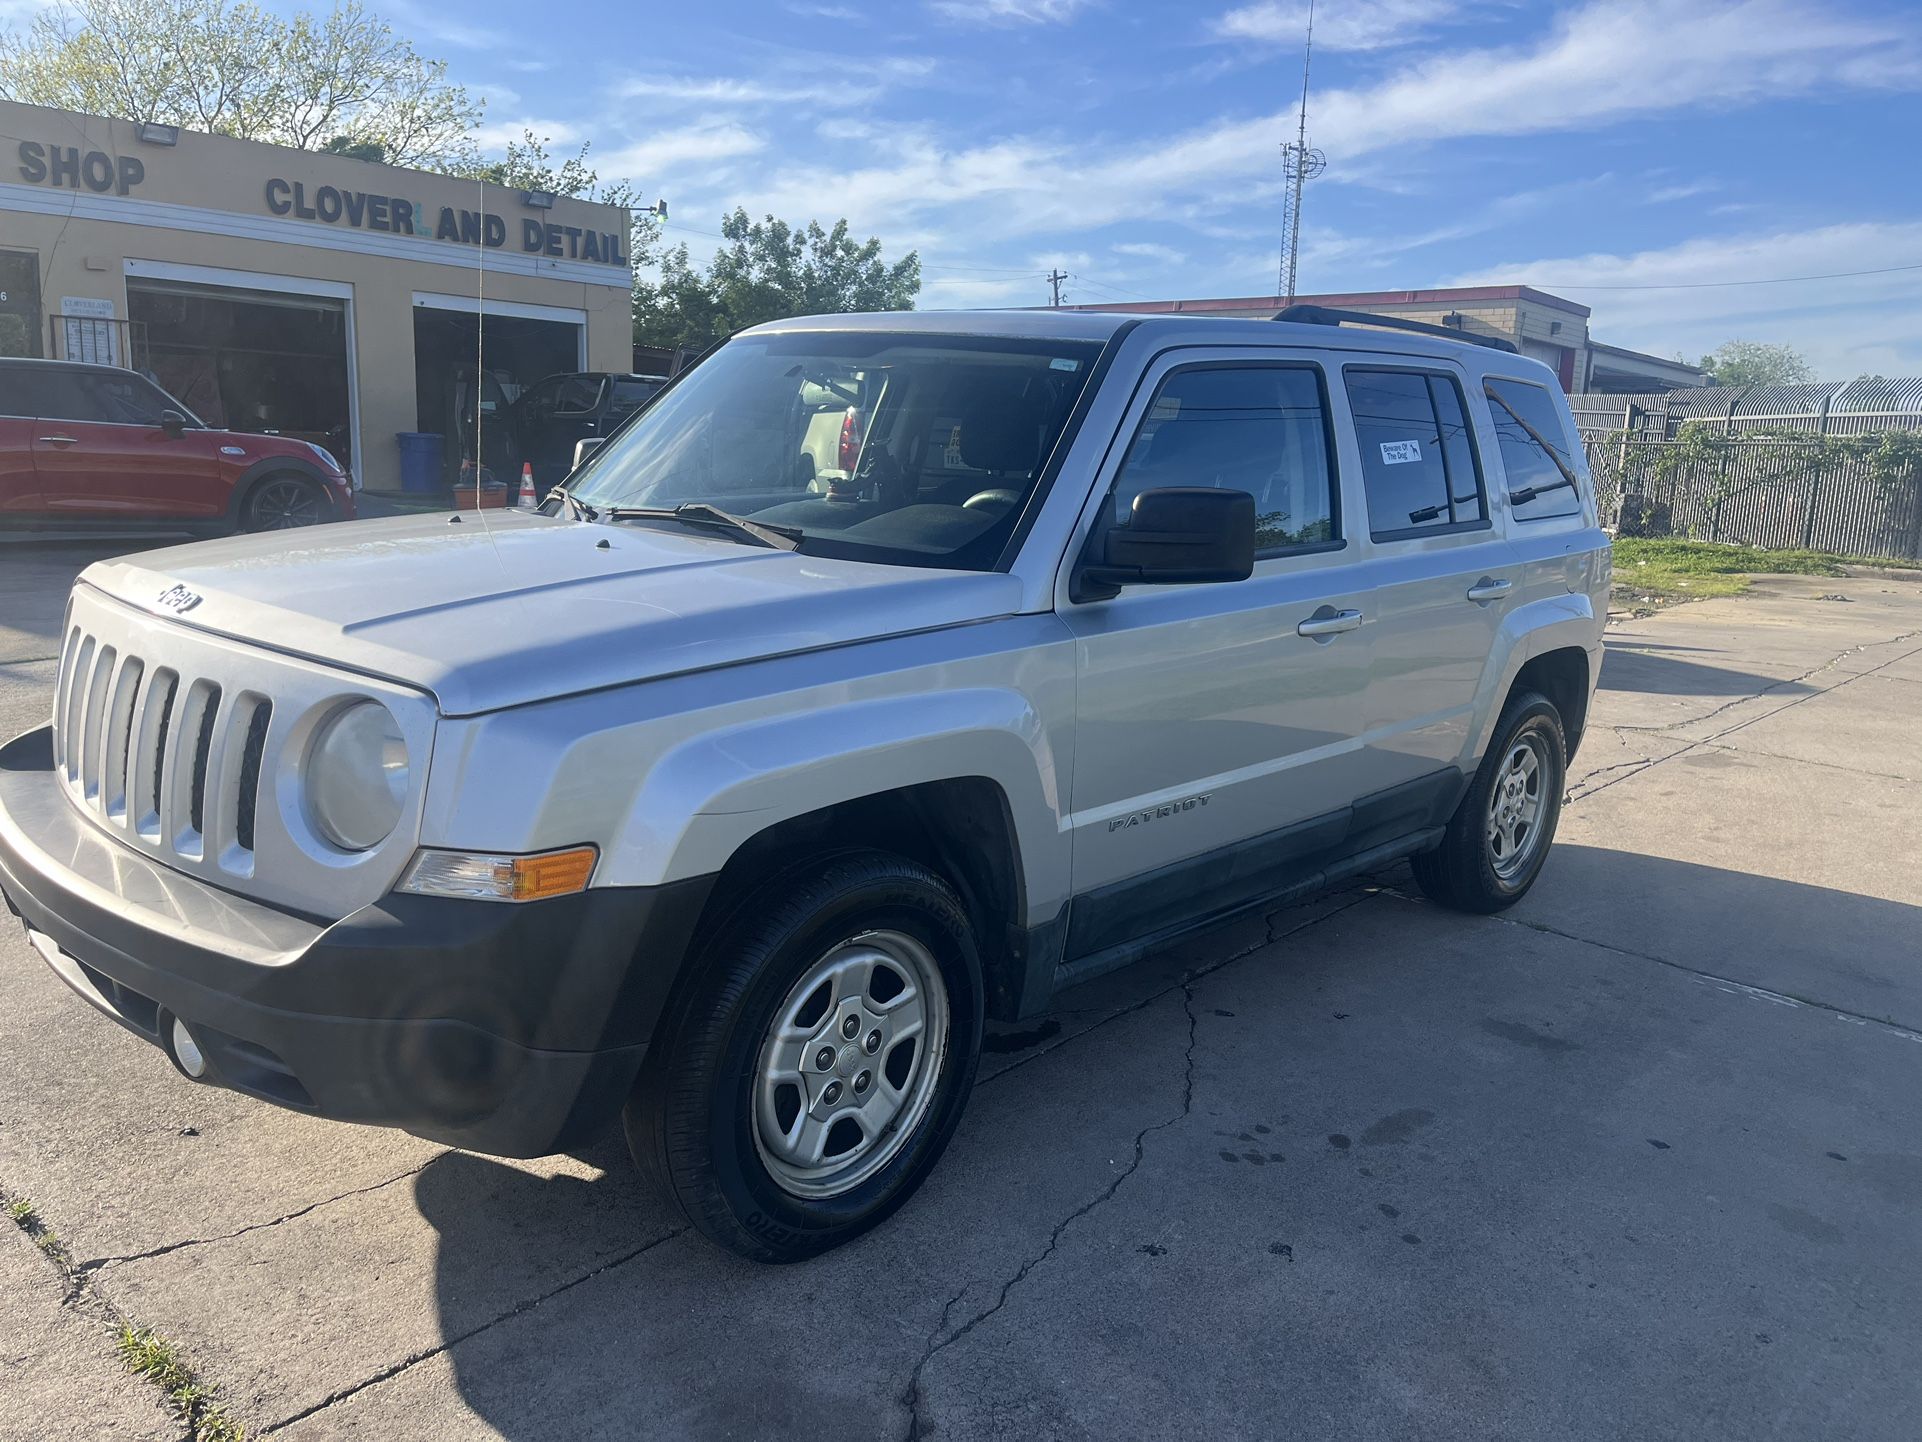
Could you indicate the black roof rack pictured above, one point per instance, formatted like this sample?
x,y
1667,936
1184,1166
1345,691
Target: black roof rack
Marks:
x,y
1328,315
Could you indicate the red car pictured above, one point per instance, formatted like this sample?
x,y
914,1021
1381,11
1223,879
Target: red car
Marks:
x,y
96,446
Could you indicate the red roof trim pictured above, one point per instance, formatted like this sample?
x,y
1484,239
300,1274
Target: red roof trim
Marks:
x,y
1454,295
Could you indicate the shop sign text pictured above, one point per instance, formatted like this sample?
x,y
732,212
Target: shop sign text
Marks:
x,y
363,210
75,169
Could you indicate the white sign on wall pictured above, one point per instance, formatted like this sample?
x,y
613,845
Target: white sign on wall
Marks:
x,y
89,332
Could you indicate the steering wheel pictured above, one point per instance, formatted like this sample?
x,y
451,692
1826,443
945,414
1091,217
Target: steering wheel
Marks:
x,y
986,500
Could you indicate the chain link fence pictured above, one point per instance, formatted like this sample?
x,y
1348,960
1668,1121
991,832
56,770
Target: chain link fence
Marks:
x,y
1834,467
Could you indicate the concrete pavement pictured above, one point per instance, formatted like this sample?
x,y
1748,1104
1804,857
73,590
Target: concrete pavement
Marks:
x,y
1640,1157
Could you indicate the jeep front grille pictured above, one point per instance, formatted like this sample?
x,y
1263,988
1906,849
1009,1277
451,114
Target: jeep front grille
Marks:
x,y
186,745
172,761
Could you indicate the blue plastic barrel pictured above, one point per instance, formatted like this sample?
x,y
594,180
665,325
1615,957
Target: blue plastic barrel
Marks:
x,y
420,457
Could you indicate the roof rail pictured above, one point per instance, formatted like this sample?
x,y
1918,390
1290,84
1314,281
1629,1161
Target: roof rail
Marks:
x,y
1327,315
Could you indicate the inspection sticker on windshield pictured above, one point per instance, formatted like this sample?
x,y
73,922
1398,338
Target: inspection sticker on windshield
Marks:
x,y
1063,363
1400,453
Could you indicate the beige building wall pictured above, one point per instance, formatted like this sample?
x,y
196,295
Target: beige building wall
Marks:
x,y
209,206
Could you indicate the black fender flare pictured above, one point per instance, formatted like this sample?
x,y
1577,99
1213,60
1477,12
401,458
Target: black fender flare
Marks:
x,y
266,466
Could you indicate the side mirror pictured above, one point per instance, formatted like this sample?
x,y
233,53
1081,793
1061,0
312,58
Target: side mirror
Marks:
x,y
1176,535
173,423
586,447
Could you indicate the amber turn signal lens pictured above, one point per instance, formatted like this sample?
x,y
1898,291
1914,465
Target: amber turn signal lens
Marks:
x,y
486,877
553,873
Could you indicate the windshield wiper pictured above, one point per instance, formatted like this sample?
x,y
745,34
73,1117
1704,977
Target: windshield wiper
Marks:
x,y
1528,493
700,513
576,507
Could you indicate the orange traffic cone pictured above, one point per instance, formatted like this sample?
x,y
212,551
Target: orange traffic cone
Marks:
x,y
526,501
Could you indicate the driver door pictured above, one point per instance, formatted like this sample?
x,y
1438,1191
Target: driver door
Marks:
x,y
1217,746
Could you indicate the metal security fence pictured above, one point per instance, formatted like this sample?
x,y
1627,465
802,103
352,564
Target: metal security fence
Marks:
x,y
1832,467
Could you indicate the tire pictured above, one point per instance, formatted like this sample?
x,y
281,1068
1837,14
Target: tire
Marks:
x,y
284,501
706,1117
1486,861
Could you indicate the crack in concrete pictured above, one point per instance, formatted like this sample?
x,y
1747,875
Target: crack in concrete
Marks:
x,y
937,1343
1188,977
414,1359
89,1267
1808,761
1636,768
1749,988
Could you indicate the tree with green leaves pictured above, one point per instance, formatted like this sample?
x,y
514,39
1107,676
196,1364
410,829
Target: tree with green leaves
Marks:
x,y
1756,363
526,165
341,81
768,269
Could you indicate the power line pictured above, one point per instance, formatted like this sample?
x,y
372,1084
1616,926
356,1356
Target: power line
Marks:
x,y
1723,284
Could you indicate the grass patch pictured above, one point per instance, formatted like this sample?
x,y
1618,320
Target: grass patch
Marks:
x,y
1675,570
28,1220
148,1355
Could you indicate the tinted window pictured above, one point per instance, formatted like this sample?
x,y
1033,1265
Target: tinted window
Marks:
x,y
1417,457
629,394
578,393
123,398
1535,455
57,394
1259,429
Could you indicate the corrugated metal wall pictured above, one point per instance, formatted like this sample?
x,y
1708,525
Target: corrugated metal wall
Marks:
x,y
1766,487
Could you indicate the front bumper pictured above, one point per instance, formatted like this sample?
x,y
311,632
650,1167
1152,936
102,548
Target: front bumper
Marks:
x,y
515,1030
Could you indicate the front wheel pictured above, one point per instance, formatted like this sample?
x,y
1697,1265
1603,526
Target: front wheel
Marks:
x,y
283,502
1498,838
813,1070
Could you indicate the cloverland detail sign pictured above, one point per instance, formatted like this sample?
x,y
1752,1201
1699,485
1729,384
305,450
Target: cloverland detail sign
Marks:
x,y
364,210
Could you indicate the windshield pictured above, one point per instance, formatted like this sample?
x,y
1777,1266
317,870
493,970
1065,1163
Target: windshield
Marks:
x,y
920,450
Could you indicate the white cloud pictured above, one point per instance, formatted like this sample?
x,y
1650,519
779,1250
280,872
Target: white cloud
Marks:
x,y
804,78
1606,62
1845,325
825,12
1151,250
1009,12
1360,25
647,160
1683,190
438,24
497,135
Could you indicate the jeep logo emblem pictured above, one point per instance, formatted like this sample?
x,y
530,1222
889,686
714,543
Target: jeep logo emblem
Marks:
x,y
178,599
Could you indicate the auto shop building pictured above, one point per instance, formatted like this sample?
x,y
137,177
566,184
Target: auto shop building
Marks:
x,y
296,292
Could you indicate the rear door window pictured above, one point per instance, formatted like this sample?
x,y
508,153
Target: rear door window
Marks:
x,y
1257,428
1536,462
1417,454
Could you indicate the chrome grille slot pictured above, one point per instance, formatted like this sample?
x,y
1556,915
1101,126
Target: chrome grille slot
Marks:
x,y
183,780
244,796
62,690
72,704
93,736
150,746
119,739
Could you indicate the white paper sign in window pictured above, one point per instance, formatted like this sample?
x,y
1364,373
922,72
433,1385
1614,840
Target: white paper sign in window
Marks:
x,y
1400,453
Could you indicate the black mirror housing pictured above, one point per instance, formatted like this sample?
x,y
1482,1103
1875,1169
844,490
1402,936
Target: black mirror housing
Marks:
x,y
173,422
1176,535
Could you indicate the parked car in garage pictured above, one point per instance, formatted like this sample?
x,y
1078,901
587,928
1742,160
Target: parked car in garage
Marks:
x,y
551,415
101,447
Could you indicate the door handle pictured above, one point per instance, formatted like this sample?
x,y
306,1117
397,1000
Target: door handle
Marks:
x,y
1329,623
59,440
1489,589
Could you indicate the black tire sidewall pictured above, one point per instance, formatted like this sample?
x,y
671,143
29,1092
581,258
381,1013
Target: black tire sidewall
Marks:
x,y
1532,713
249,517
891,895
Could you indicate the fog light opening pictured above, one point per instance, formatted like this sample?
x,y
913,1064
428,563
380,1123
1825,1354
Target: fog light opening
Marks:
x,y
185,1051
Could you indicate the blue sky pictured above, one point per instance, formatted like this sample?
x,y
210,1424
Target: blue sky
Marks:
x,y
1612,143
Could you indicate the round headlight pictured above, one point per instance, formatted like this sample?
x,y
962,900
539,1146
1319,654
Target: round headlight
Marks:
x,y
357,776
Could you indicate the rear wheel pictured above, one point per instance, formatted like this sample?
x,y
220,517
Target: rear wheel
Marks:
x,y
283,502
811,1074
1499,836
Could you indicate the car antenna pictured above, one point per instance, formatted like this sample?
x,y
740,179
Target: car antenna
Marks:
x,y
480,376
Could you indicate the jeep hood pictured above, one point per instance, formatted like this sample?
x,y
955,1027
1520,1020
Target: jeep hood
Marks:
x,y
526,608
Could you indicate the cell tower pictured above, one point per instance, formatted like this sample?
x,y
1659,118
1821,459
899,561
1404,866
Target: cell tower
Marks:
x,y
1299,161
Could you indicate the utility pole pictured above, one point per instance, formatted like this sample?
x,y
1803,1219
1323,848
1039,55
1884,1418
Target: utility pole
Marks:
x,y
1299,161
1055,277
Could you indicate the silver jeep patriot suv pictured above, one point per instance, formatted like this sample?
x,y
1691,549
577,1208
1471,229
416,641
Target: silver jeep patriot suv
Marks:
x,y
884,675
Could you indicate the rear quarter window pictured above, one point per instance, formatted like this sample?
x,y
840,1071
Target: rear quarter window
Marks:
x,y
1418,462
1537,462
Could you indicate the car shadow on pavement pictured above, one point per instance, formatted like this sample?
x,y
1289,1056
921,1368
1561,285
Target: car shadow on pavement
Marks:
x,y
618,1350
1629,667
